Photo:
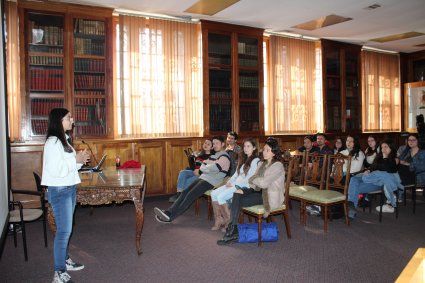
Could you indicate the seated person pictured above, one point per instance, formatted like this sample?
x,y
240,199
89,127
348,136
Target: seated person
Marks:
x,y
357,156
233,149
214,169
383,172
406,157
265,187
339,145
322,144
370,152
188,176
308,145
247,165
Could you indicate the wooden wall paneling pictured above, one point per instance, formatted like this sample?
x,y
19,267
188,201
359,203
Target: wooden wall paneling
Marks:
x,y
25,160
152,154
122,149
176,160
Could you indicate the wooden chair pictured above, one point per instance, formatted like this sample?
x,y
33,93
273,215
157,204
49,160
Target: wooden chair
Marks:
x,y
335,192
312,174
257,211
381,194
207,197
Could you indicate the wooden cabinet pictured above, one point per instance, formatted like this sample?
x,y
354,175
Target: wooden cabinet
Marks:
x,y
233,78
342,86
66,54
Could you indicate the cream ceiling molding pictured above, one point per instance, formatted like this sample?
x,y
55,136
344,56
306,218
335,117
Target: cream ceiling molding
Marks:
x,y
210,7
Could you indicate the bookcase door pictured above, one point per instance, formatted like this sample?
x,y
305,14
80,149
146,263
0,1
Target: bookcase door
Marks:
x,y
89,88
45,72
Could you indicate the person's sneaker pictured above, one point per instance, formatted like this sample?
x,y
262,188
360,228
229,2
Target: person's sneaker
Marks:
x,y
161,214
157,218
386,208
73,266
173,198
62,277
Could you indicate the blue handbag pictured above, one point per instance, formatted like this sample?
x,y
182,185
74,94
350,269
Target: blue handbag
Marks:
x,y
248,233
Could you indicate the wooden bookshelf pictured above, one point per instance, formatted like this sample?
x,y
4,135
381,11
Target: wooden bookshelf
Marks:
x,y
66,55
233,73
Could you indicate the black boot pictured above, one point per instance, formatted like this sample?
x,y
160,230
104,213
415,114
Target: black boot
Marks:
x,y
231,236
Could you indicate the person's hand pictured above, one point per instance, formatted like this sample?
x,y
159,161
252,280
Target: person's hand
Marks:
x,y
196,172
366,172
403,162
208,161
82,157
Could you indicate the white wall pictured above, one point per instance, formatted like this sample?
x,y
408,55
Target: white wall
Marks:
x,y
3,136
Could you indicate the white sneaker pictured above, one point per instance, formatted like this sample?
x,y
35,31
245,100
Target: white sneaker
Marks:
x,y
62,277
386,208
73,266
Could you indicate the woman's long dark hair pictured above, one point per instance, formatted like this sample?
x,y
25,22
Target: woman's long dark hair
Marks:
x,y
274,145
380,155
203,153
342,144
244,159
406,152
55,127
369,151
354,153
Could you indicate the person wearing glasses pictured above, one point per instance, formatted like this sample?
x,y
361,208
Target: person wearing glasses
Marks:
x,y
60,174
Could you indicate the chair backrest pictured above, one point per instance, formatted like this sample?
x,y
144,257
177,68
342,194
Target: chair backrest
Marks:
x,y
288,179
315,169
335,178
297,167
37,178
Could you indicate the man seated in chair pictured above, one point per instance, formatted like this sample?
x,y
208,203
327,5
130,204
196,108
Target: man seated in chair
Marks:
x,y
214,169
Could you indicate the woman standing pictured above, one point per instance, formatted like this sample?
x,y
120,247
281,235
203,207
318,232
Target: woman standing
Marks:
x,y
247,165
60,175
265,187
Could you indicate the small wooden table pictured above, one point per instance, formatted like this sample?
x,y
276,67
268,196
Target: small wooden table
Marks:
x,y
113,185
415,269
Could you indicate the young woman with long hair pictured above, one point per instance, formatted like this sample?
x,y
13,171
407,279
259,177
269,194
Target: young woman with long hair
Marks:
x,y
60,175
247,165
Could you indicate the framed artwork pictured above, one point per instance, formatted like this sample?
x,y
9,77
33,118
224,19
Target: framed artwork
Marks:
x,y
414,104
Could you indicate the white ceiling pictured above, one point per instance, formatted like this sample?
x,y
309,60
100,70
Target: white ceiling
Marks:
x,y
393,17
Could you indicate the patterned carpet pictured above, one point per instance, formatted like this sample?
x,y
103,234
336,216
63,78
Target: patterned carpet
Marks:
x,y
186,250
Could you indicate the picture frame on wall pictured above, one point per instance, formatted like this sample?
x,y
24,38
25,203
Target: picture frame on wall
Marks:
x,y
414,104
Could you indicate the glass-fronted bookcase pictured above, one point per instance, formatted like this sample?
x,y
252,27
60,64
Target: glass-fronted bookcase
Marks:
x,y
66,55
232,78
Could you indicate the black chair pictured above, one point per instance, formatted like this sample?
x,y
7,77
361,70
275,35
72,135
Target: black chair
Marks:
x,y
18,215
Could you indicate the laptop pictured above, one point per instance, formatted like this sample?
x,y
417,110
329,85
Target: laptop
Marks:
x,y
97,168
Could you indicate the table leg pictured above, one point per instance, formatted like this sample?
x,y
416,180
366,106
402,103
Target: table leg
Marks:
x,y
140,218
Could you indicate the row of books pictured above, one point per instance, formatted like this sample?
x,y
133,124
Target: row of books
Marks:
x,y
85,46
90,101
41,34
251,81
89,92
92,130
247,49
220,78
89,65
46,60
248,62
248,94
333,83
89,27
39,127
89,81
249,126
221,48
219,60
42,107
46,79
220,116
220,94
249,112
46,49
81,114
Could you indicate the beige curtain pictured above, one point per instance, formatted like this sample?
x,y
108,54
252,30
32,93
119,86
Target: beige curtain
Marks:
x,y
381,92
295,90
158,78
12,70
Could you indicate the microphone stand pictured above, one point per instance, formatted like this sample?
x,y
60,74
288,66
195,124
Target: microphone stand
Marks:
x,y
94,156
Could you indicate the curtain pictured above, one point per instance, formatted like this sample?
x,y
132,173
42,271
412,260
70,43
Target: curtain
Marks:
x,y
295,90
158,78
12,70
381,92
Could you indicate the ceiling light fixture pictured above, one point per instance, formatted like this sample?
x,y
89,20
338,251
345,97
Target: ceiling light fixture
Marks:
x,y
322,22
368,48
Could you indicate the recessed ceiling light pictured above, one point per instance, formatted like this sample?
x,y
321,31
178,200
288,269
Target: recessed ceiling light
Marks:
x,y
322,22
208,7
372,7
